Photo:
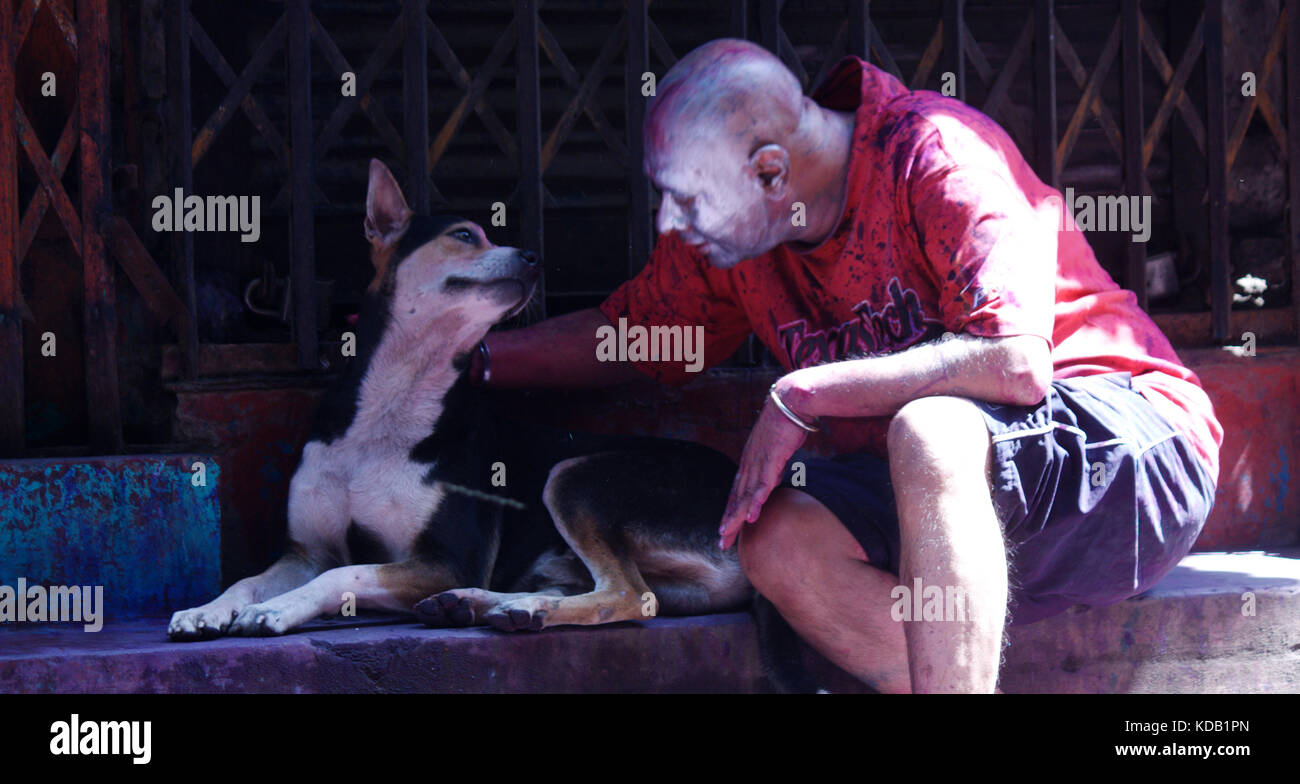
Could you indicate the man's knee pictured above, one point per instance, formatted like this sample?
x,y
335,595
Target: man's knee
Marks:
x,y
936,432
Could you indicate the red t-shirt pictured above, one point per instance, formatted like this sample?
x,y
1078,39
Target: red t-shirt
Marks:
x,y
946,229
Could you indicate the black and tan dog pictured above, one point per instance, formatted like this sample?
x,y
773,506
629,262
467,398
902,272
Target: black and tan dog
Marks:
x,y
393,502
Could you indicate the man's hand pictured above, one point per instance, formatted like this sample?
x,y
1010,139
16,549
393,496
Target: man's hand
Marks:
x,y
771,443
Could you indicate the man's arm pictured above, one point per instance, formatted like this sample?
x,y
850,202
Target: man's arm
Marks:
x,y
557,352
1013,370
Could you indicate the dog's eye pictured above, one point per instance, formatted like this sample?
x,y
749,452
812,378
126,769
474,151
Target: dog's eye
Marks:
x,y
464,235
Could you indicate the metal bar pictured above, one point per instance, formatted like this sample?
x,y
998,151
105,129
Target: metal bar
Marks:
x,y
302,223
954,43
838,49
528,94
1259,102
473,88
240,86
364,99
1176,82
1135,271
12,437
738,23
660,46
769,25
102,399
1090,101
415,102
1217,159
48,176
860,29
1008,73
145,275
1293,148
584,92
62,17
182,167
129,25
640,231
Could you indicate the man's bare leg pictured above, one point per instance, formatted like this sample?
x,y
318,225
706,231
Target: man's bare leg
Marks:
x,y
950,538
803,559
806,562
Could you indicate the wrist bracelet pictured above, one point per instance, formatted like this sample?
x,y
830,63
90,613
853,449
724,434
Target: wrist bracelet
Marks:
x,y
792,416
487,362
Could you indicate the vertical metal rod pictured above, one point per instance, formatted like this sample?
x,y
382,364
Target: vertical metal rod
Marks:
x,y
11,325
860,29
528,92
769,25
1293,149
641,233
954,45
182,169
100,311
1216,127
738,26
415,102
1045,91
1134,126
302,225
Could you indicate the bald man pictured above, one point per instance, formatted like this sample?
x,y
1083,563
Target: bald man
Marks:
x,y
1010,429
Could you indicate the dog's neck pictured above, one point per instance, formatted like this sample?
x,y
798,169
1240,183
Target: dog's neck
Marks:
x,y
395,390
414,365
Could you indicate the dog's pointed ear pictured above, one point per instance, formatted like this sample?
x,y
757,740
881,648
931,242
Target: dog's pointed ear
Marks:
x,y
387,216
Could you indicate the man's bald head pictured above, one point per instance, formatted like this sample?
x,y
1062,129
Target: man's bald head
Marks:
x,y
736,148
730,92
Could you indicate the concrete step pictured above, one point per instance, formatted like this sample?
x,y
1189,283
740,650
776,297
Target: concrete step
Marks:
x,y
1193,633
1224,623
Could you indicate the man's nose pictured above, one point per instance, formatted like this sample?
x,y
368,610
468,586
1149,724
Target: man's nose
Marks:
x,y
669,216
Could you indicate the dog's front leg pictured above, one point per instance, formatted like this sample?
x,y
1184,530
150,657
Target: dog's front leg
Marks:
x,y
395,586
213,619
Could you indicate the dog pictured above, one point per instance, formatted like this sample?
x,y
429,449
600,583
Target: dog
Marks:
x,y
393,505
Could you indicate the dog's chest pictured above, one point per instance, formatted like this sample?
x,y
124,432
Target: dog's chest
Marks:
x,y
358,481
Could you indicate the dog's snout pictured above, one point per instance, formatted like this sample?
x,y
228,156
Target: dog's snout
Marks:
x,y
529,257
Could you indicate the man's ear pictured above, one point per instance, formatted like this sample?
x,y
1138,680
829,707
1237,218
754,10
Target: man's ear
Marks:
x,y
771,164
387,215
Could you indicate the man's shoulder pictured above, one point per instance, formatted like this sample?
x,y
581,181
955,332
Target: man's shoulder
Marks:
x,y
925,125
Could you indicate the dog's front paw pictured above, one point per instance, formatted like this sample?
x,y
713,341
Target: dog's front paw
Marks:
x,y
199,623
259,620
520,614
448,608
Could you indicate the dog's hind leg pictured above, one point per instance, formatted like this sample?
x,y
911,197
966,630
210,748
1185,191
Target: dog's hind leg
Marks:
x,y
620,592
468,606
554,573
214,618
392,586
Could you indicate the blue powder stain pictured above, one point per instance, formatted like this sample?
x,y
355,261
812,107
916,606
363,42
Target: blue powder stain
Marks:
x,y
136,525
1281,480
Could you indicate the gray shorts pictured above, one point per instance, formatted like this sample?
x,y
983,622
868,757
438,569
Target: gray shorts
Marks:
x,y
1098,495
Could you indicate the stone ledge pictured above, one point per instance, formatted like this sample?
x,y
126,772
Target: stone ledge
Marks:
x,y
1187,635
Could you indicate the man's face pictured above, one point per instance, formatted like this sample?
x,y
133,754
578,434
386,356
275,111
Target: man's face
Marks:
x,y
714,200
